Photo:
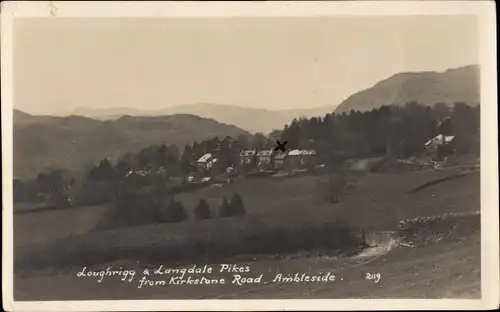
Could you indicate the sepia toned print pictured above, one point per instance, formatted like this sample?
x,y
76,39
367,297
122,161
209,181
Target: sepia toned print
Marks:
x,y
247,157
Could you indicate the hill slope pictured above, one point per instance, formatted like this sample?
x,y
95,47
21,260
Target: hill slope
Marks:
x,y
454,85
250,119
76,142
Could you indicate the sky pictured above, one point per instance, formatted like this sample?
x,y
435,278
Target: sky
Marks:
x,y
260,62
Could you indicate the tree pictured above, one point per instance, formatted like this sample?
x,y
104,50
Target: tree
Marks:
x,y
259,141
202,210
237,207
161,156
173,157
292,134
147,158
441,111
175,212
187,159
167,158
102,172
232,208
123,167
197,151
225,208
56,184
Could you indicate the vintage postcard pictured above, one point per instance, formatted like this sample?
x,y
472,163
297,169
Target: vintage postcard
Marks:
x,y
249,155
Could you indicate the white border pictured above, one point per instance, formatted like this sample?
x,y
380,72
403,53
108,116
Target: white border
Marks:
x,y
484,10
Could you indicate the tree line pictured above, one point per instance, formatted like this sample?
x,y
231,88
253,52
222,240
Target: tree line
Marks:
x,y
133,208
403,130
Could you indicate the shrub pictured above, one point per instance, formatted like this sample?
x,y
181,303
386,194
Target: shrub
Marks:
x,y
237,207
132,209
232,208
225,208
175,212
202,210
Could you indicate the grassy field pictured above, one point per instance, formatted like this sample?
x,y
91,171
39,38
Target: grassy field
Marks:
x,y
46,226
449,269
373,201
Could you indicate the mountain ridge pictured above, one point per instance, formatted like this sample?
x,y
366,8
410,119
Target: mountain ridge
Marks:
x,y
460,84
76,142
250,119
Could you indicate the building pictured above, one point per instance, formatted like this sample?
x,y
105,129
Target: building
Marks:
x,y
301,158
279,160
265,159
206,162
248,157
439,146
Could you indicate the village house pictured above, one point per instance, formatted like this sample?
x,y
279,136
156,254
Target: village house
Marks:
x,y
206,162
265,159
279,160
439,146
248,157
301,158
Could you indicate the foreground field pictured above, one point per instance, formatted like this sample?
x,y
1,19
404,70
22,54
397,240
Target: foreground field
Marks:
x,y
450,269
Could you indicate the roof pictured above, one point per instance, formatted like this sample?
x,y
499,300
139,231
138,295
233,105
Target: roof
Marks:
x,y
205,158
265,152
448,138
248,152
297,152
440,139
280,155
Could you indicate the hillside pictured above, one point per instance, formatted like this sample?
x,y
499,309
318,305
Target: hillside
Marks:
x,y
454,85
76,142
251,119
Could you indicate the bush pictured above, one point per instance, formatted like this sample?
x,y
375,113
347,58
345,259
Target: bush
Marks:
x,y
233,208
237,207
202,210
225,208
175,212
133,209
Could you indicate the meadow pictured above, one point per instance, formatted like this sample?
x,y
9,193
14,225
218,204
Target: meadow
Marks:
x,y
284,215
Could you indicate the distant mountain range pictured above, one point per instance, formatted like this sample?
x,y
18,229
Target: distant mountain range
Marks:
x,y
454,85
77,142
251,119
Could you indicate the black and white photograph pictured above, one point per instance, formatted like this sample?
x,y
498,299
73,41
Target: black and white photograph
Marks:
x,y
214,158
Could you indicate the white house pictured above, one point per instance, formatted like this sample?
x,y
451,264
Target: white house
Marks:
x,y
206,162
264,158
439,146
438,140
298,158
247,157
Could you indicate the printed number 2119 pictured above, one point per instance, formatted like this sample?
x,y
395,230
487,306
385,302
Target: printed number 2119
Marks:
x,y
373,277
